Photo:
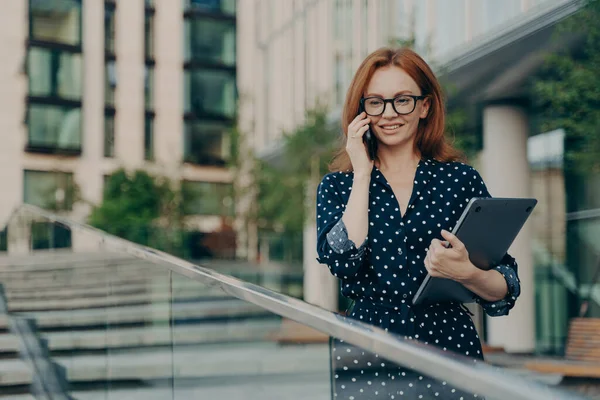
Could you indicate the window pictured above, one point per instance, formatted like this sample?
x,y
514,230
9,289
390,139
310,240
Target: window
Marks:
x,y
49,235
210,41
54,73
109,28
207,143
208,198
215,6
210,93
57,21
4,240
49,190
109,135
149,87
149,35
110,83
54,127
149,137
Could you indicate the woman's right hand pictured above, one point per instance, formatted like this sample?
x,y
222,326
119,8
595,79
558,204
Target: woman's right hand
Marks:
x,y
356,148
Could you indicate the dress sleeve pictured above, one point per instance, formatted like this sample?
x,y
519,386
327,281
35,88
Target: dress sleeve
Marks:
x,y
507,267
334,248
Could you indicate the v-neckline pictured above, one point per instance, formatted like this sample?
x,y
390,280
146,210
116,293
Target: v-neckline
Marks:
x,y
413,191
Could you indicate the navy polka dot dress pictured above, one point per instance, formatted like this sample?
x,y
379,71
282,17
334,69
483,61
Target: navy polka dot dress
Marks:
x,y
383,274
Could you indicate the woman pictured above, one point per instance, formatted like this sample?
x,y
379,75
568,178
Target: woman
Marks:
x,y
383,224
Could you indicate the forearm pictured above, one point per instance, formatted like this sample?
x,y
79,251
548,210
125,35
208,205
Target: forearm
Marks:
x,y
356,215
489,285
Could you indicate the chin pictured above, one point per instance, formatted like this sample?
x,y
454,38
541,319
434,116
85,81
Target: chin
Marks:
x,y
395,140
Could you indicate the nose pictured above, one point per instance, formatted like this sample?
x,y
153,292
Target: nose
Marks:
x,y
388,110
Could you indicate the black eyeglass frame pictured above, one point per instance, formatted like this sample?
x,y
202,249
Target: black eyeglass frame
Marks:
x,y
385,101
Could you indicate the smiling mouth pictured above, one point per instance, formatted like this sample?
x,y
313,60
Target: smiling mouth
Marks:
x,y
391,127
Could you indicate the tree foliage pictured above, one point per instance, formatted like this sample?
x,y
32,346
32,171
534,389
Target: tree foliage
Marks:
x,y
567,91
282,190
137,206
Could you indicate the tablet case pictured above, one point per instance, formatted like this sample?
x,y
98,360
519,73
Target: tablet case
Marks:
x,y
487,228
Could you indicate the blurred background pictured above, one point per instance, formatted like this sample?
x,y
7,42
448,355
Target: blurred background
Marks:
x,y
202,128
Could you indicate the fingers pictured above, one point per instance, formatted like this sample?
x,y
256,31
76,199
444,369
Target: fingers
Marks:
x,y
455,243
358,126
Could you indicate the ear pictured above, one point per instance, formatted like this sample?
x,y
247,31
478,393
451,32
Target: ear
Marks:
x,y
425,108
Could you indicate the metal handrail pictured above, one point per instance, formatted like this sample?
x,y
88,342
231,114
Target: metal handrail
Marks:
x,y
479,378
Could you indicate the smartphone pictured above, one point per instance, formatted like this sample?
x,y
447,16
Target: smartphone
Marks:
x,y
369,139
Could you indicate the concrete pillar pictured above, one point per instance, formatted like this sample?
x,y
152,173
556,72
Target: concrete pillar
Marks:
x,y
87,175
168,86
129,96
505,170
13,81
320,287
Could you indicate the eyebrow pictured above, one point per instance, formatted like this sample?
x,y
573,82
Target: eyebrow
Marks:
x,y
396,94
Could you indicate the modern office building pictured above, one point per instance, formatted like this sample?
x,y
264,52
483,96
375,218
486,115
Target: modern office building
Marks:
x,y
295,55
90,86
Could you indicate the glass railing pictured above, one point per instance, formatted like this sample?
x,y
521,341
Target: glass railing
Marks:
x,y
105,318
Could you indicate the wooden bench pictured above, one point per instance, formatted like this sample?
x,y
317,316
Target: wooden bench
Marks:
x,y
292,332
582,356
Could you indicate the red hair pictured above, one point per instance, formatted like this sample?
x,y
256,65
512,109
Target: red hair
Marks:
x,y
430,141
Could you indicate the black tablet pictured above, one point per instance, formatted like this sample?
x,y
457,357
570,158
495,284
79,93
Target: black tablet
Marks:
x,y
487,228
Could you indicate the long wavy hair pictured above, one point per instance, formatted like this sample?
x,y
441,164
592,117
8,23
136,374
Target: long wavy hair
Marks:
x,y
430,141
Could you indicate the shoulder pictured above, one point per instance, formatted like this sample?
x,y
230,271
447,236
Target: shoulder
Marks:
x,y
337,179
459,171
335,186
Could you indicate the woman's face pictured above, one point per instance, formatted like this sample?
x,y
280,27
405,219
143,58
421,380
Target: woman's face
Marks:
x,y
391,128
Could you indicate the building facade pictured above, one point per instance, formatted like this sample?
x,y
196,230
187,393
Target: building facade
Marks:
x,y
91,86
301,54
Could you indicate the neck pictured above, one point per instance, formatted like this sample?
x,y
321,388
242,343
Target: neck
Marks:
x,y
397,159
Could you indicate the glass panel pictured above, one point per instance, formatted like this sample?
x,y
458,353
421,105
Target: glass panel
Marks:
x,y
226,348
208,198
54,127
209,92
360,374
149,87
109,136
149,138
110,83
54,73
210,40
138,329
50,190
109,29
218,6
55,21
206,143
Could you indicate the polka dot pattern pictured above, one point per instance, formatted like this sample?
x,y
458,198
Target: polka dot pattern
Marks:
x,y
383,273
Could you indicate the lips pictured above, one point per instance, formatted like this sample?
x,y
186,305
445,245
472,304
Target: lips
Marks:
x,y
390,128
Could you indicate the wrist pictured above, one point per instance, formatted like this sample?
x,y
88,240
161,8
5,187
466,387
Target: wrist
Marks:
x,y
474,275
362,176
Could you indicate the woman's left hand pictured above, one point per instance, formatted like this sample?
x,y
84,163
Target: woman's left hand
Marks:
x,y
451,263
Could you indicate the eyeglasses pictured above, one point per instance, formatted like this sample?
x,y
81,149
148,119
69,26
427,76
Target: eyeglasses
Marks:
x,y
403,104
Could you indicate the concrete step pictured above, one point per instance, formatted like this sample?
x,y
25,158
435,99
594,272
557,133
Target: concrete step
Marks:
x,y
156,294
146,313
232,331
115,288
14,372
224,361
41,260
82,269
228,360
